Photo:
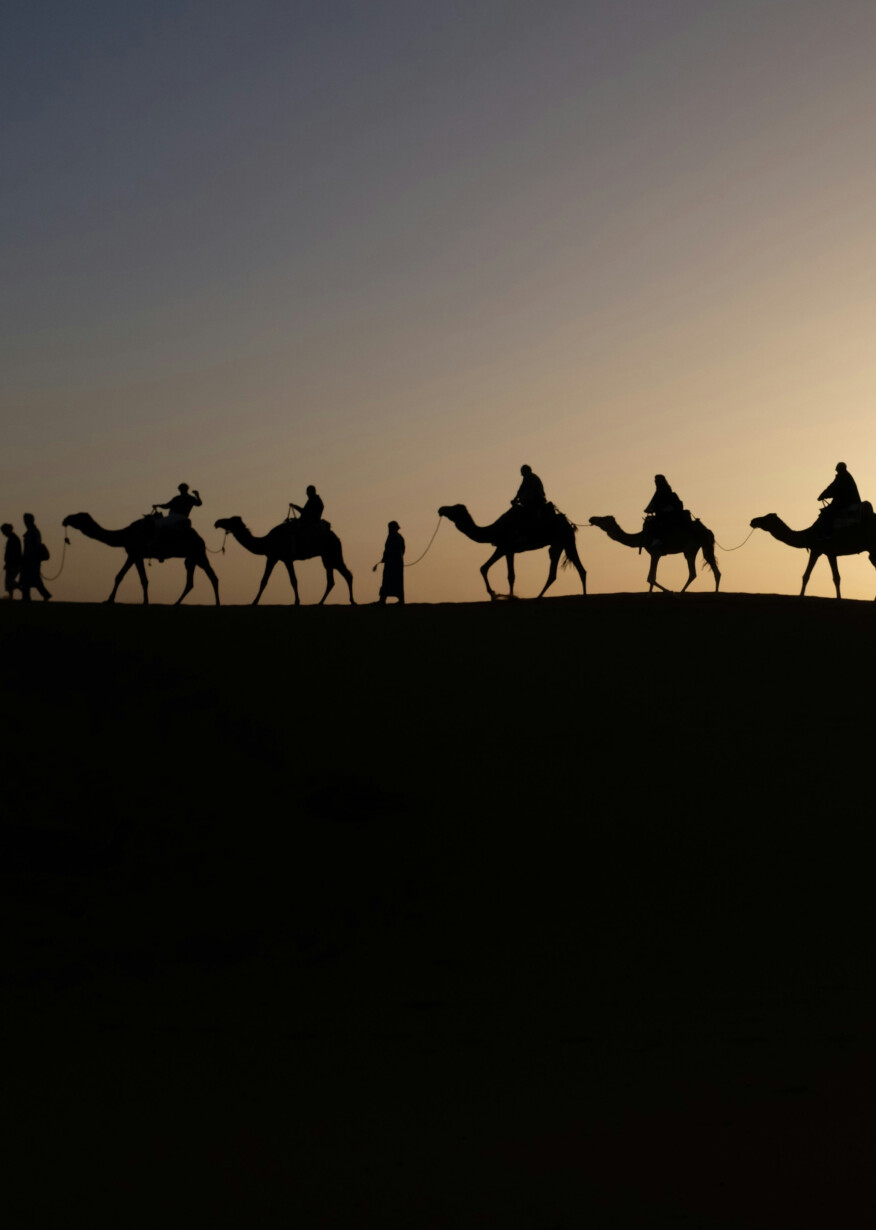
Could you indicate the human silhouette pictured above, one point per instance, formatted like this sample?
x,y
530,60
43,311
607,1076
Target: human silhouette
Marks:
x,y
179,508
33,555
530,494
844,500
665,510
311,510
393,583
11,559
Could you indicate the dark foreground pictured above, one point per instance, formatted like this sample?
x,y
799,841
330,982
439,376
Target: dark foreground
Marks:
x,y
532,916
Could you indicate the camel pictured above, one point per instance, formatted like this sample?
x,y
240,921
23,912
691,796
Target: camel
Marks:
x,y
141,542
286,542
509,537
687,540
847,540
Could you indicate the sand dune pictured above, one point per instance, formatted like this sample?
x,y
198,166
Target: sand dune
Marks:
x,y
533,914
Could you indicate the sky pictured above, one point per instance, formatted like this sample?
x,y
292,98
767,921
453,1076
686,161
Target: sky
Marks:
x,y
398,248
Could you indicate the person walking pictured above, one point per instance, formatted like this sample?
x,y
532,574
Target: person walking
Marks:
x,y
393,583
33,556
11,559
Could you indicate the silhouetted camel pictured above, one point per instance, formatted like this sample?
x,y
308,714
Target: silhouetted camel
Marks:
x,y
285,543
510,537
687,540
139,540
849,540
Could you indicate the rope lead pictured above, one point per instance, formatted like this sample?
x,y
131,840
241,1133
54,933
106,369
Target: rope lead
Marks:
x,y
425,553
741,544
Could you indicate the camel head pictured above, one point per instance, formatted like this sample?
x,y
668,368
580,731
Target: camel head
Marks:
x,y
453,512
604,523
228,524
77,520
761,523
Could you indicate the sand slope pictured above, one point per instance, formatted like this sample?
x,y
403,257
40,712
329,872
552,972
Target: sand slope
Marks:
x,y
522,914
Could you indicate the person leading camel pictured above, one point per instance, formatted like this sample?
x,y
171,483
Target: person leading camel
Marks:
x,y
393,560
32,558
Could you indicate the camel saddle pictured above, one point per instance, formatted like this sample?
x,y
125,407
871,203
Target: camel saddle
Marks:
x,y
308,535
853,515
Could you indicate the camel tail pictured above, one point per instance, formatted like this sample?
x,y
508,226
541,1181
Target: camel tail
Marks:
x,y
708,549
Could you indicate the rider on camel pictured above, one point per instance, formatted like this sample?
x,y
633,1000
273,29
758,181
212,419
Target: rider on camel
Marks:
x,y
665,510
180,507
843,496
312,509
530,499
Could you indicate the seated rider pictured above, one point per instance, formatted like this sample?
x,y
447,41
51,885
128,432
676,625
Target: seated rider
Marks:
x,y
179,508
843,496
665,509
530,497
312,509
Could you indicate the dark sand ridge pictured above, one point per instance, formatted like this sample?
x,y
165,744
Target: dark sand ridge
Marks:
x,y
527,915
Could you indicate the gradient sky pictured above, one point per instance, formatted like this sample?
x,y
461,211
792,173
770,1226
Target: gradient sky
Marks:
x,y
397,249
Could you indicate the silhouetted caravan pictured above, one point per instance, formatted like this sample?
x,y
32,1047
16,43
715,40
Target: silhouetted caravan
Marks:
x,y
141,542
849,539
687,539
511,535
291,541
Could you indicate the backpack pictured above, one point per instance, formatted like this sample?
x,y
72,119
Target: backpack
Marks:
x,y
44,551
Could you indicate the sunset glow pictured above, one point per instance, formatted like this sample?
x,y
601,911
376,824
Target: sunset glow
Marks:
x,y
396,250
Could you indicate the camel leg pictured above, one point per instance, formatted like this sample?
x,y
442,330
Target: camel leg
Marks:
x,y
554,555
485,568
329,582
292,577
211,576
813,559
691,569
835,573
512,575
190,581
266,576
348,577
119,576
144,580
652,576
